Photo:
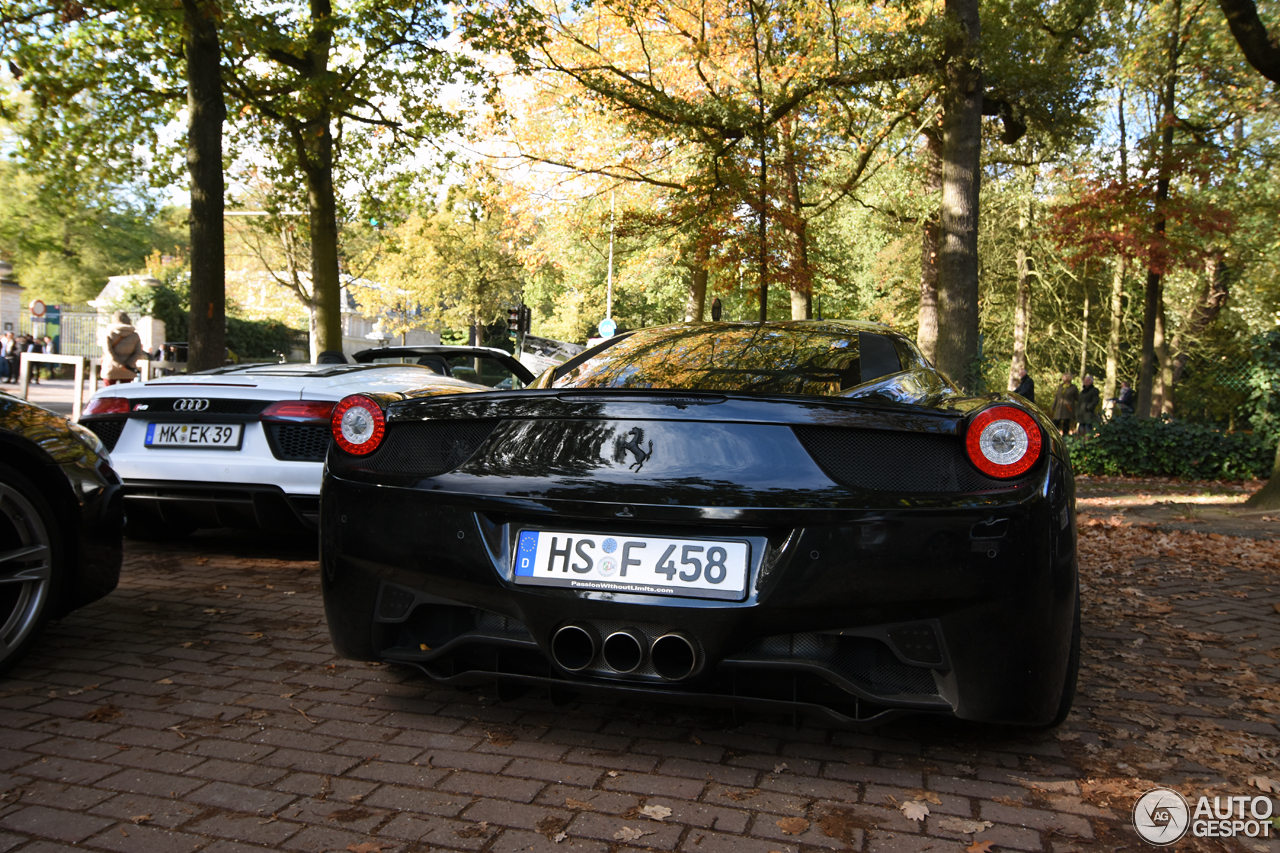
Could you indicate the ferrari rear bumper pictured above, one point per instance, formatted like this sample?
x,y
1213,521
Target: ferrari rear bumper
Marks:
x,y
962,609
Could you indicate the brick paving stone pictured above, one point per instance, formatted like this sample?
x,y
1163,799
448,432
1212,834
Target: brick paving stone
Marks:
x,y
321,839
605,802
698,841
515,841
479,784
253,829
553,771
45,822
813,836
146,839
643,783
438,832
659,836
240,798
136,781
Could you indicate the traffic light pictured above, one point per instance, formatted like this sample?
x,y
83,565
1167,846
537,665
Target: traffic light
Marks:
x,y
513,319
526,318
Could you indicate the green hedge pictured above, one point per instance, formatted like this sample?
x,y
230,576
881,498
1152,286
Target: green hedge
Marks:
x,y
1169,448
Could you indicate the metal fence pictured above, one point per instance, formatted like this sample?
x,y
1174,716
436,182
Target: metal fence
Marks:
x,y
74,329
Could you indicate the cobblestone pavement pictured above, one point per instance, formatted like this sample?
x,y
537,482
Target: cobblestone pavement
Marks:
x,y
200,707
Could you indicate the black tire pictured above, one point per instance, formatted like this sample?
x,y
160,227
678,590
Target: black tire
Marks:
x,y
30,565
144,523
1073,672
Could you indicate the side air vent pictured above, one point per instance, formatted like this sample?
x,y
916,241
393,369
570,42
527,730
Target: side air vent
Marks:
x,y
888,461
107,429
862,660
298,442
429,448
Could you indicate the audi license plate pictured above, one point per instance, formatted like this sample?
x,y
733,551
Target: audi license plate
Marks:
x,y
694,568
208,436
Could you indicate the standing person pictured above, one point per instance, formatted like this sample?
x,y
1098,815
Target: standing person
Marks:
x,y
121,349
1127,401
1026,387
1090,397
31,345
7,349
1064,404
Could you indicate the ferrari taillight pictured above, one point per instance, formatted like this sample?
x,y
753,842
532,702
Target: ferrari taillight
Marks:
x,y
296,411
1003,441
358,424
106,406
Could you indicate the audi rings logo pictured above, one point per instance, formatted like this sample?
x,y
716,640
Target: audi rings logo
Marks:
x,y
1161,816
190,405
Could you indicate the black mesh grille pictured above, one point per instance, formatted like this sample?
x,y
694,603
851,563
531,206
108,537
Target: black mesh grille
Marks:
x,y
108,431
217,406
299,442
886,461
862,660
428,448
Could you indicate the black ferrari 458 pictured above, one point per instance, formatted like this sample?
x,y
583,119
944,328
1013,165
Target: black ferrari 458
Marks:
x,y
60,522
799,515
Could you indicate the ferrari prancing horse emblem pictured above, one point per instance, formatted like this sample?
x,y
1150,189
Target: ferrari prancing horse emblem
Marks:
x,y
633,446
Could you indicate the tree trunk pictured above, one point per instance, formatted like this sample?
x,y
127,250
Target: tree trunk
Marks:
x,y
1258,46
927,328
1269,496
1161,386
696,301
801,283
207,326
315,142
1212,299
1022,302
961,177
1113,334
1155,286
1084,336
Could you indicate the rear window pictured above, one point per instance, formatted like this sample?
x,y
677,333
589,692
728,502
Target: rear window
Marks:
x,y
806,359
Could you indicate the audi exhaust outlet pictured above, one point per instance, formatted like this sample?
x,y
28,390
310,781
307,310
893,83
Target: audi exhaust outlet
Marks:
x,y
574,646
624,650
674,656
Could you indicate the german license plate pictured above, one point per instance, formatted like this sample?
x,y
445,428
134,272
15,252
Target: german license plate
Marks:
x,y
693,568
208,436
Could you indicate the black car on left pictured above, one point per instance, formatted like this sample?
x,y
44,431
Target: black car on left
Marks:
x,y
60,522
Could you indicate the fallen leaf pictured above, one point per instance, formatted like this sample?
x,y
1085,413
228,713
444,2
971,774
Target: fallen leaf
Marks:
x,y
165,681
368,847
476,830
613,773
578,805
914,810
1264,784
140,818
501,738
349,815
254,635
630,833
552,826
792,825
656,812
1276,606
930,797
559,836
103,713
1228,750
979,847
778,768
964,826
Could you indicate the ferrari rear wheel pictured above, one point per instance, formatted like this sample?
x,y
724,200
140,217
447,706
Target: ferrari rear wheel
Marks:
x,y
28,560
143,522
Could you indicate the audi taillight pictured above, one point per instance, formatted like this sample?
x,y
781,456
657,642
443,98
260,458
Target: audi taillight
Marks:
x,y
1003,441
106,406
358,424
299,411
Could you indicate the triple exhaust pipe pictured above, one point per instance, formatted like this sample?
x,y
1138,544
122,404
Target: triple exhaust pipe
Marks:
x,y
674,655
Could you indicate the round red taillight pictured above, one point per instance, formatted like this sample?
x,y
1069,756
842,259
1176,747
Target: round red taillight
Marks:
x,y
358,424
1003,441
